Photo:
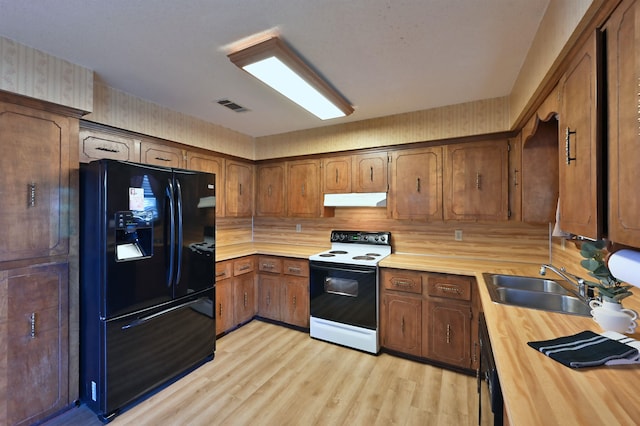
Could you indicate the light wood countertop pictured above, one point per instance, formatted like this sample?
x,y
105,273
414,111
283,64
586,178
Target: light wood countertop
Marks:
x,y
537,390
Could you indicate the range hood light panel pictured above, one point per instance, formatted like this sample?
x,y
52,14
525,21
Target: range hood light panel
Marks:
x,y
357,199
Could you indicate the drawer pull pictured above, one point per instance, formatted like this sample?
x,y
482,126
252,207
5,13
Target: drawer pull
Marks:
x,y
448,289
244,267
403,283
221,274
268,265
102,148
163,159
294,269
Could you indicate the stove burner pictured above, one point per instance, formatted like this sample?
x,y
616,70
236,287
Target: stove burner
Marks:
x,y
326,255
363,258
338,252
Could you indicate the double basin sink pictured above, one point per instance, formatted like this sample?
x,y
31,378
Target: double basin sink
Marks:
x,y
535,293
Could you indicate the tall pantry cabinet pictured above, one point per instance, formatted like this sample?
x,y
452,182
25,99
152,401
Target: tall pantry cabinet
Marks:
x,y
38,258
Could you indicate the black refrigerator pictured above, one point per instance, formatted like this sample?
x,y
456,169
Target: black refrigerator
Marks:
x,y
147,280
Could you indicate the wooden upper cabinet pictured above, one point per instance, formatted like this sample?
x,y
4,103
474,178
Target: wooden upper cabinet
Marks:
x,y
303,188
270,190
210,164
416,184
369,173
96,145
36,182
623,62
161,155
238,189
336,174
580,144
476,181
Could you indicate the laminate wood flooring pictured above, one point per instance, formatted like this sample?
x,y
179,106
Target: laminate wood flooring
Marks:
x,y
265,374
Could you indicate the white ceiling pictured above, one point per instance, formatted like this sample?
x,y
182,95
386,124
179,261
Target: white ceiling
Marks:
x,y
384,56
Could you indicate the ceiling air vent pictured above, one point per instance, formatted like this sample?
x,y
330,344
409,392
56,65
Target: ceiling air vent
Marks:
x,y
232,105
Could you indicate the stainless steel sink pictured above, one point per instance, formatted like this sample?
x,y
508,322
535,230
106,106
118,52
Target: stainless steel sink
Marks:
x,y
528,283
535,293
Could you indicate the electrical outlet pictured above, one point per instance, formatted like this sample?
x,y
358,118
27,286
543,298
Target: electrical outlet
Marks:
x,y
457,234
298,228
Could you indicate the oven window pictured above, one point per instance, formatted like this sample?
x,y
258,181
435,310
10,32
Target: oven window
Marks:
x,y
341,286
345,294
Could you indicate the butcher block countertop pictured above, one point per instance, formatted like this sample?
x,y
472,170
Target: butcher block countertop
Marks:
x,y
537,390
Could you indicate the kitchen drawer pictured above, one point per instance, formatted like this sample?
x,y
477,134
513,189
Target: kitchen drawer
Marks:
x,y
298,267
270,264
224,270
400,280
449,286
243,266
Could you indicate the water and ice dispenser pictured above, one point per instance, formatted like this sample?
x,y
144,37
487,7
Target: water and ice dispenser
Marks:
x,y
134,235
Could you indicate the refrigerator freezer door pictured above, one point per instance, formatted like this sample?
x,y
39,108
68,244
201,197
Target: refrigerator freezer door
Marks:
x,y
146,350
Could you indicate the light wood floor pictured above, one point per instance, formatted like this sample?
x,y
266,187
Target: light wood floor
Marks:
x,y
265,374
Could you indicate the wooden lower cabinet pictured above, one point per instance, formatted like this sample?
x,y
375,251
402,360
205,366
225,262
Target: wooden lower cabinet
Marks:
x,y
283,290
447,336
224,297
34,335
429,315
402,316
235,293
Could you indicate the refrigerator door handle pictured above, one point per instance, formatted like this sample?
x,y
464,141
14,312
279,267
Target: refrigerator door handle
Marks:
x,y
180,235
151,317
172,232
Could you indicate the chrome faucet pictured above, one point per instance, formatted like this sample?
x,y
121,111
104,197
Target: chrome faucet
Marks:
x,y
579,283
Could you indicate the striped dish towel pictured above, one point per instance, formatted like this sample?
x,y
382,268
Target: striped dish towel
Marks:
x,y
586,349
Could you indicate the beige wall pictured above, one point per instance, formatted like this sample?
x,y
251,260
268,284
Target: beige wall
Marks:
x,y
471,118
558,24
30,72
122,110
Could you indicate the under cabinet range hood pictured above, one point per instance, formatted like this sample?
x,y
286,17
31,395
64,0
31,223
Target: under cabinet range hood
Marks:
x,y
356,199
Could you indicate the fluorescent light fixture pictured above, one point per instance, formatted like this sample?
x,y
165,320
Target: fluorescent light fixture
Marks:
x,y
276,65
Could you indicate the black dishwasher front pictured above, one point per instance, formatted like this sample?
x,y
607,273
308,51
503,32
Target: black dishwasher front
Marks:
x,y
490,404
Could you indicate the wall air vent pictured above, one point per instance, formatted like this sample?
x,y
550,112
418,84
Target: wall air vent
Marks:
x,y
232,105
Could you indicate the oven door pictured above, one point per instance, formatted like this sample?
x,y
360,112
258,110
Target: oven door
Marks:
x,y
347,294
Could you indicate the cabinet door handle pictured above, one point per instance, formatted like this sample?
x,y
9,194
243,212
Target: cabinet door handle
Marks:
x,y
515,177
240,188
336,175
302,189
448,289
402,325
567,146
220,310
245,299
32,320
244,267
418,185
268,299
294,300
163,159
371,173
31,195
268,265
478,179
448,333
221,274
269,191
